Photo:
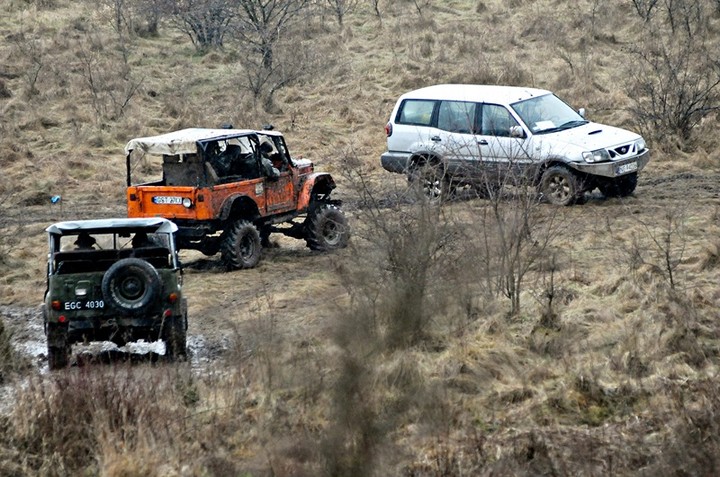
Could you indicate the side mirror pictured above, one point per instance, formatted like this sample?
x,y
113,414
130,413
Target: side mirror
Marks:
x,y
582,112
517,132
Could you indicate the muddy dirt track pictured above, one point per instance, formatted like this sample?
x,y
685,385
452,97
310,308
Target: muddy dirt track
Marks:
x,y
293,291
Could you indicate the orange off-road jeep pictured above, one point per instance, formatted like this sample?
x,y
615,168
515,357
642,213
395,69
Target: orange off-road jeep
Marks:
x,y
229,189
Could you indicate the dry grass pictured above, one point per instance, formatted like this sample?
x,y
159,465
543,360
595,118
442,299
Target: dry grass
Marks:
x,y
398,355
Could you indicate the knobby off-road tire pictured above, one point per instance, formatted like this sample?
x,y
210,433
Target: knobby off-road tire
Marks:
x,y
58,357
241,247
560,186
131,285
430,181
59,351
621,186
175,337
326,228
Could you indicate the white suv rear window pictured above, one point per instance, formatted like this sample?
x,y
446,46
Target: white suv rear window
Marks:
x,y
414,111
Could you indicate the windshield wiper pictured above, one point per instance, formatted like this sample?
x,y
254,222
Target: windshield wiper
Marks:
x,y
564,126
572,124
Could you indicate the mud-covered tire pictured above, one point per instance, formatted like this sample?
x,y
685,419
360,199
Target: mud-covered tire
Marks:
x,y
560,186
326,228
429,181
131,285
175,337
621,186
58,357
241,246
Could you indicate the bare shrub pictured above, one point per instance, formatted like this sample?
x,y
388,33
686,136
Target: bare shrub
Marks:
x,y
675,86
686,15
138,17
73,418
262,24
205,22
644,8
33,60
293,63
340,8
414,240
511,236
10,360
110,82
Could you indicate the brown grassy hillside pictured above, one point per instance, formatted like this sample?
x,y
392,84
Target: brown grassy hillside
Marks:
x,y
401,355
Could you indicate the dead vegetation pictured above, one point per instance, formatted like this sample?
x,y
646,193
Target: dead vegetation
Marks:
x,y
489,336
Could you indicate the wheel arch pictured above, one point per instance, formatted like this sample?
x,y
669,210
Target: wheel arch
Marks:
x,y
547,164
239,206
317,183
423,158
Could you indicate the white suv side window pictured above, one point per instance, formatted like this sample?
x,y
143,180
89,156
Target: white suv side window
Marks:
x,y
457,116
416,111
497,121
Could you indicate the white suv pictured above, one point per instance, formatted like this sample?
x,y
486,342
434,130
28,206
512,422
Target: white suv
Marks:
x,y
487,136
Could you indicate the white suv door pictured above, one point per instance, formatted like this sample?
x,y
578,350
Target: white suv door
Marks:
x,y
501,142
456,127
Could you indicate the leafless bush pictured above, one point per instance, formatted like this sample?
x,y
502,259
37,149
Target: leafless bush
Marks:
x,y
261,24
644,8
675,86
664,244
416,239
72,419
340,8
32,55
10,360
686,15
109,80
206,22
511,235
139,17
293,63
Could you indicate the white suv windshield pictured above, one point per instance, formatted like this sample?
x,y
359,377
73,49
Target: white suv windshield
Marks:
x,y
548,113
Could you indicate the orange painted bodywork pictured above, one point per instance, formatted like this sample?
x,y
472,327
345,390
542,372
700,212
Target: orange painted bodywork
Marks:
x,y
208,203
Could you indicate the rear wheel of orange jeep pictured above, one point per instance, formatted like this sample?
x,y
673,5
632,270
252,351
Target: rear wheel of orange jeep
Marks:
x,y
327,228
241,246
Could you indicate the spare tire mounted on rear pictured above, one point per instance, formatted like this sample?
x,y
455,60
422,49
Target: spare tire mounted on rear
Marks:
x,y
131,285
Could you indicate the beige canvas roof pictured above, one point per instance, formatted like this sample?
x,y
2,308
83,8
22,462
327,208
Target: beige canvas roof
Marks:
x,y
158,224
184,141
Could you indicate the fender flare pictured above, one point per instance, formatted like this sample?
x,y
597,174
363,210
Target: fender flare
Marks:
x,y
548,163
423,157
315,183
239,201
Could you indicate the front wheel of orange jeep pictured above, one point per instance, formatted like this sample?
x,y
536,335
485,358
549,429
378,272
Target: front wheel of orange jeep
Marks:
x,y
326,228
240,247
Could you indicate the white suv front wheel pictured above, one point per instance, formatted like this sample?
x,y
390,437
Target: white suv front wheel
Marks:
x,y
560,186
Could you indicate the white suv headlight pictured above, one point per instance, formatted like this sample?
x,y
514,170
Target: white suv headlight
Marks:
x,y
596,156
640,145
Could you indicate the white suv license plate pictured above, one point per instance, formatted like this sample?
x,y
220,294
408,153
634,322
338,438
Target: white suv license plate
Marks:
x,y
165,199
625,168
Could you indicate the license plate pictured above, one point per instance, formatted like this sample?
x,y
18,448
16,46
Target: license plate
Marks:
x,y
167,199
84,305
625,168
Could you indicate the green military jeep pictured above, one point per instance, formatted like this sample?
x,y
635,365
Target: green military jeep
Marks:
x,y
113,280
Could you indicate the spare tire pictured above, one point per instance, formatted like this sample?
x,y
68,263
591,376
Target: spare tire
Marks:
x,y
131,285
